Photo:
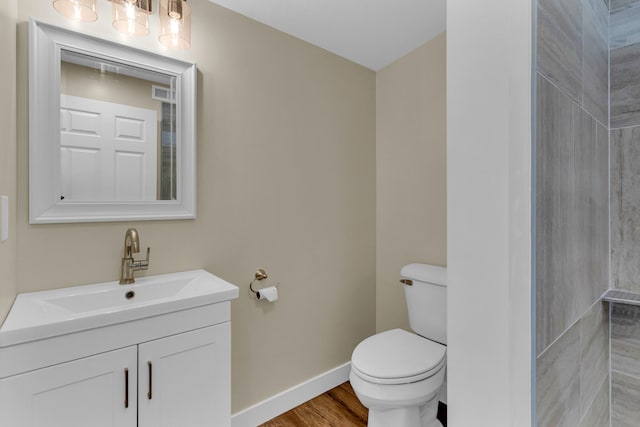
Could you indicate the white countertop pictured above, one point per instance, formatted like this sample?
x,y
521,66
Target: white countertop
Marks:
x,y
40,315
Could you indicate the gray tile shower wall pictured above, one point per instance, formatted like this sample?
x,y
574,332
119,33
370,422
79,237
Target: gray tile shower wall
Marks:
x,y
594,353
625,365
572,249
556,291
558,385
595,61
572,212
620,4
625,395
573,374
591,209
625,208
573,51
625,339
625,86
624,42
625,26
598,414
560,44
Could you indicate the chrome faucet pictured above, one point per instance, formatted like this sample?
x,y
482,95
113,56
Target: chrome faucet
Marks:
x,y
129,265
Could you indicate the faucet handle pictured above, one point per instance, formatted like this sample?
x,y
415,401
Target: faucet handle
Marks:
x,y
142,264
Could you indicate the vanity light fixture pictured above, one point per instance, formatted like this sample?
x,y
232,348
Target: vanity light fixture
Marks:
x,y
131,17
79,10
175,24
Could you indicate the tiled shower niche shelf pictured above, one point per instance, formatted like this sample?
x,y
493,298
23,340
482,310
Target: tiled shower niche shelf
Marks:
x,y
622,297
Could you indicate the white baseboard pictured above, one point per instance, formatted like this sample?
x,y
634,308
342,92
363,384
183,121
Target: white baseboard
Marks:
x,y
282,402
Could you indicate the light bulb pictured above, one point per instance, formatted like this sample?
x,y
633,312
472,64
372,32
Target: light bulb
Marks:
x,y
174,25
175,9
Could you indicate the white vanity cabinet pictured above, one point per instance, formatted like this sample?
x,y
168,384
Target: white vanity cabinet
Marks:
x,y
86,392
181,380
160,362
184,380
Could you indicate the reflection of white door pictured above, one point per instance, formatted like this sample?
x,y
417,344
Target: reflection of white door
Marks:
x,y
107,151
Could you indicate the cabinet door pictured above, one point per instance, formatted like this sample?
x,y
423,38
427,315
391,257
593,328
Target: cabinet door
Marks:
x,y
185,379
84,392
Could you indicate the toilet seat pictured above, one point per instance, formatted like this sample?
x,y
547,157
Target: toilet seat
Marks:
x,y
397,357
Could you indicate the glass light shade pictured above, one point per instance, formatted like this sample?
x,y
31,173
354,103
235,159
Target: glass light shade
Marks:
x,y
129,19
80,10
175,32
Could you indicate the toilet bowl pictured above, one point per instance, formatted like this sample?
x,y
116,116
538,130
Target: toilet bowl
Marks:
x,y
398,376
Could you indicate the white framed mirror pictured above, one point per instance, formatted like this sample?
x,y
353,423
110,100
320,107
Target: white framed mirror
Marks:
x,y
112,131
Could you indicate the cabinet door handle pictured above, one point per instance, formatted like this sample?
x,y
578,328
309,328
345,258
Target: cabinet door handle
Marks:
x,y
149,395
126,387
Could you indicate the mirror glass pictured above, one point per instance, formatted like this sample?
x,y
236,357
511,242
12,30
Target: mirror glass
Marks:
x,y
112,130
117,131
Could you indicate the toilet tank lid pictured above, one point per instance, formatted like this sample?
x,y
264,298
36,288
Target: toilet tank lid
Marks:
x,y
425,273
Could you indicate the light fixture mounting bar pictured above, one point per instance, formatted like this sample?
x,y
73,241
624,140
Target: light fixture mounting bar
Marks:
x,y
143,5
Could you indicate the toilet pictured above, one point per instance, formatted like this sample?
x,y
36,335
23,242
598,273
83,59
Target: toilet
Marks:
x,y
399,375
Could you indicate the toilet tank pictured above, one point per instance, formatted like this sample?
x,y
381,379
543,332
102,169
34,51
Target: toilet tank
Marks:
x,y
427,300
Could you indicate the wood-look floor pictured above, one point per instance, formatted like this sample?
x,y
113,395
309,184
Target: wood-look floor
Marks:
x,y
339,407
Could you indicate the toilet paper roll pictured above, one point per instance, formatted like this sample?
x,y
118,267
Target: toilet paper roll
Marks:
x,y
270,294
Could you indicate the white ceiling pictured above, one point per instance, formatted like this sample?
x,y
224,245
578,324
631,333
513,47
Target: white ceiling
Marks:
x,y
372,33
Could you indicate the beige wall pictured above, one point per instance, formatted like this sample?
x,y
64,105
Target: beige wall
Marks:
x,y
286,182
411,173
8,281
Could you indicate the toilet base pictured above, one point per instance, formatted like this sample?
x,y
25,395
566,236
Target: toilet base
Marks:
x,y
410,416
400,405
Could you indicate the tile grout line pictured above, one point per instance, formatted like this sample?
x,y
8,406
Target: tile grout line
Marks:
x,y
610,369
626,374
599,300
609,240
625,127
571,98
582,417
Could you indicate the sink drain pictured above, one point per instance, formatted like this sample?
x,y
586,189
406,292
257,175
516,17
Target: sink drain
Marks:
x,y
130,294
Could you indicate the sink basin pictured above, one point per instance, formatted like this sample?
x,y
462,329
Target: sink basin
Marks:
x,y
40,315
122,297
